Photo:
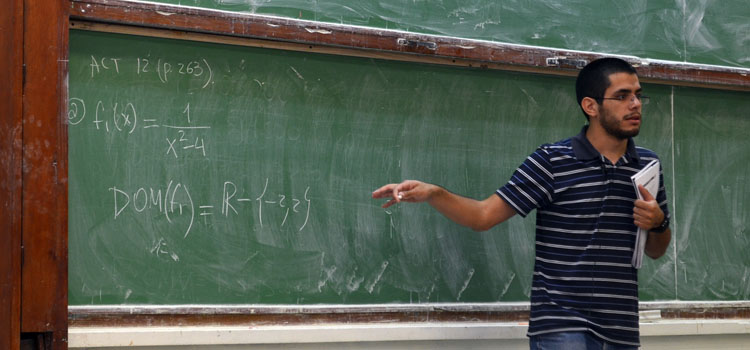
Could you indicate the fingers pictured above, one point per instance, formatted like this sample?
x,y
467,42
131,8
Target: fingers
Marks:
x,y
646,208
386,191
383,192
645,193
397,195
647,215
398,192
389,203
642,221
401,191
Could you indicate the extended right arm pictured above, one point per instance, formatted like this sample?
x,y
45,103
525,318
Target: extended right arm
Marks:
x,y
478,215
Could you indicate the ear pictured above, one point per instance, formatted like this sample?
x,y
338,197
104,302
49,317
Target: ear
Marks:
x,y
590,107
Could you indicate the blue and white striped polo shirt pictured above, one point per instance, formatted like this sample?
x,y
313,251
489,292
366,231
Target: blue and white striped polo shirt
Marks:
x,y
583,278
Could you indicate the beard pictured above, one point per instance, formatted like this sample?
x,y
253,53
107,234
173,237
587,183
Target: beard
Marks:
x,y
611,125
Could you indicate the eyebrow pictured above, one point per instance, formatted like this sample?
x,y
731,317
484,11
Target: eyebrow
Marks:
x,y
627,91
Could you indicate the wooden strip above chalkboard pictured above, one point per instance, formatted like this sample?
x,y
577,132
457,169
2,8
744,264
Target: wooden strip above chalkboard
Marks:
x,y
156,315
136,17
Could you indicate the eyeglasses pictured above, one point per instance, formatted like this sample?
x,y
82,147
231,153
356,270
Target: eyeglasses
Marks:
x,y
627,98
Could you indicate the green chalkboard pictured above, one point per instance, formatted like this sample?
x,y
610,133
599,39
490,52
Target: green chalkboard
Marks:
x,y
713,175
214,174
699,31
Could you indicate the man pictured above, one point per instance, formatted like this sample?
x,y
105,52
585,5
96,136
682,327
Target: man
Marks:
x,y
584,293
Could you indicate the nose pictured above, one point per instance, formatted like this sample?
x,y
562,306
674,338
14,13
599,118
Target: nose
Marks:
x,y
635,102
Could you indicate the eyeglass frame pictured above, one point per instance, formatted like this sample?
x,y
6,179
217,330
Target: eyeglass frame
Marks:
x,y
622,98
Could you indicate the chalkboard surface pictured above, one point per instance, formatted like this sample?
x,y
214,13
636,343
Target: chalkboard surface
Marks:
x,y
713,198
214,174
699,31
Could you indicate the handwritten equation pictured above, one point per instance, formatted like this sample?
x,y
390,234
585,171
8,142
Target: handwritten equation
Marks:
x,y
178,130
123,117
176,200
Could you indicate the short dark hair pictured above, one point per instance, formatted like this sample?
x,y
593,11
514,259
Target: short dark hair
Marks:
x,y
593,79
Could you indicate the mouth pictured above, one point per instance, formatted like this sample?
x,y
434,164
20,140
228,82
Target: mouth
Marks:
x,y
634,118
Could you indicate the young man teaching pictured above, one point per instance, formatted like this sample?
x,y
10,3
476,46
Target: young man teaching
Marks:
x,y
584,292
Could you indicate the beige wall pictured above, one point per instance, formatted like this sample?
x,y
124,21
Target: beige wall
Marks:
x,y
660,334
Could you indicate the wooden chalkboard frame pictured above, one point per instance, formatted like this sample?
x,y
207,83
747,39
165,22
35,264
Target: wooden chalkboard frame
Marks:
x,y
194,24
390,44
33,152
261,315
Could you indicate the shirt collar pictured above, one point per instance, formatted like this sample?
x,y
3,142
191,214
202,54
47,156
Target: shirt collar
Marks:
x,y
584,150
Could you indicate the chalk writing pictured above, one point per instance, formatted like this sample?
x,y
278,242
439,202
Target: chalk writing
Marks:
x,y
164,69
167,202
160,248
286,203
176,201
183,142
122,117
103,63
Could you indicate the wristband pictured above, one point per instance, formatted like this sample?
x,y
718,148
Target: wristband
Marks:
x,y
662,227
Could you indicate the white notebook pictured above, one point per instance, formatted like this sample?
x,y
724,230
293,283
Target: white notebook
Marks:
x,y
649,178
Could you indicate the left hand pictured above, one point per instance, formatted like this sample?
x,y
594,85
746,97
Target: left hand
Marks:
x,y
646,213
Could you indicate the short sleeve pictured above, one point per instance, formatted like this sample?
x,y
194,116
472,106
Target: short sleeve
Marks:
x,y
532,184
661,196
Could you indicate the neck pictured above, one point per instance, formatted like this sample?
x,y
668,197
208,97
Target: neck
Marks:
x,y
611,147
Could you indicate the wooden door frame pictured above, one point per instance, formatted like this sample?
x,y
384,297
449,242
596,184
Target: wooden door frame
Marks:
x,y
11,74
33,173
